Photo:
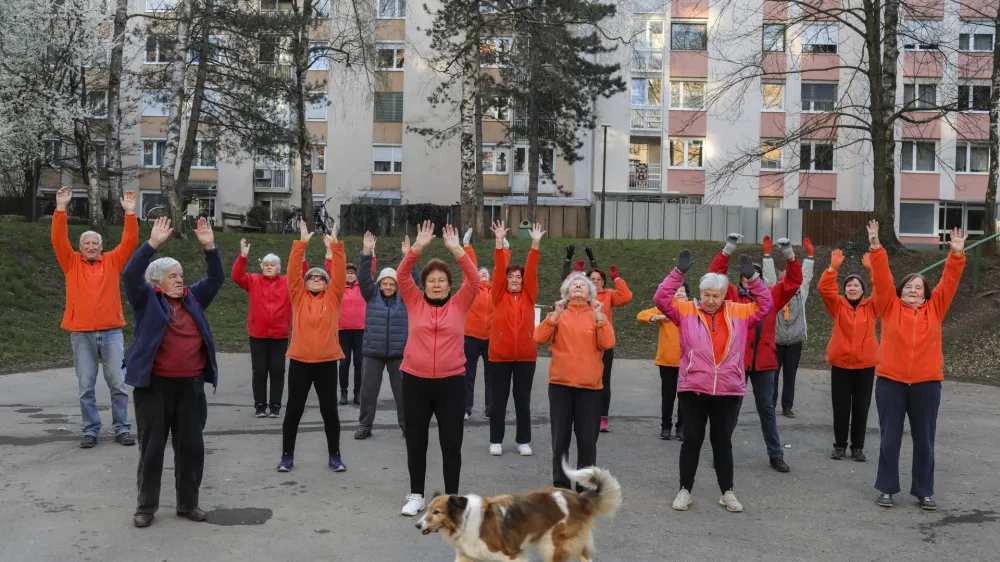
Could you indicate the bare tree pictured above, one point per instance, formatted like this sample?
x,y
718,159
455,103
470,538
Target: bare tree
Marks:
x,y
113,142
175,114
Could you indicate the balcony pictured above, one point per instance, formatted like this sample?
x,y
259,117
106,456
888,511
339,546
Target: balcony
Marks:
x,y
647,119
275,70
519,130
272,180
646,59
644,177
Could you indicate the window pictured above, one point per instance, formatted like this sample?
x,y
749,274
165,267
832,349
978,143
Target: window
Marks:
x,y
774,38
160,5
646,91
157,49
688,36
816,204
769,202
150,199
392,9
214,51
52,153
494,160
687,95
917,218
649,34
770,156
975,219
319,158
920,35
154,103
390,57
318,56
546,160
818,97
972,157
686,153
274,50
973,97
918,156
974,36
99,58
206,154
920,96
387,159
100,156
388,107
816,157
97,103
820,39
497,110
316,106
321,8
774,96
495,51
152,153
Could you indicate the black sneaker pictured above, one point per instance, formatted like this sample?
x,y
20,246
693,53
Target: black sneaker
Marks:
x,y
88,442
343,398
927,504
362,434
357,399
665,434
858,455
885,500
787,412
260,411
680,433
125,438
779,464
838,453
275,411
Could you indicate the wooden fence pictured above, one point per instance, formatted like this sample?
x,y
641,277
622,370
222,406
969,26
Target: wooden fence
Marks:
x,y
830,228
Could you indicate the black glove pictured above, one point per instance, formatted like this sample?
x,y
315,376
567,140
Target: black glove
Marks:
x,y
684,261
569,252
590,254
746,267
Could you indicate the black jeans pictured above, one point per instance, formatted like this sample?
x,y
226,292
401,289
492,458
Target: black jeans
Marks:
x,y
267,359
668,390
474,349
522,373
609,359
174,407
788,363
350,343
851,390
573,410
444,399
301,376
699,409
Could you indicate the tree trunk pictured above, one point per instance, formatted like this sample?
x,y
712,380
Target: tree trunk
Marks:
x,y
194,119
113,144
468,144
300,56
480,228
168,167
991,187
533,148
88,173
883,127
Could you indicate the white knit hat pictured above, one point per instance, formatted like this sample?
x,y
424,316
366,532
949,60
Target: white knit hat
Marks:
x,y
387,272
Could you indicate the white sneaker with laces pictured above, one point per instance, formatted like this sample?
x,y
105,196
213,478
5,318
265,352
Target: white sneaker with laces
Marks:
x,y
729,501
414,505
524,449
682,501
496,449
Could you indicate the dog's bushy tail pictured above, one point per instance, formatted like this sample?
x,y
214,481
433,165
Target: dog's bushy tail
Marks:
x,y
602,492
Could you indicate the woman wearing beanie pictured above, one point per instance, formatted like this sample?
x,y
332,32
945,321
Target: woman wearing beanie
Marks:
x,y
620,295
314,349
668,359
579,333
713,333
385,337
513,351
477,334
434,360
910,365
352,332
852,354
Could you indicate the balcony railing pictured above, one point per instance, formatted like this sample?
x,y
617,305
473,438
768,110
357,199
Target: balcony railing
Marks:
x,y
649,6
648,119
519,129
275,70
646,59
272,180
644,177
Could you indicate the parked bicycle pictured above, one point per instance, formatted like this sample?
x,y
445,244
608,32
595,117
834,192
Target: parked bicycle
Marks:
x,y
323,219
191,220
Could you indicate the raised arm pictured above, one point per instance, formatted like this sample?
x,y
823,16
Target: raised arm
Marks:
x,y
827,287
65,254
500,261
605,333
545,332
337,259
366,267
469,251
297,283
883,286
759,293
567,267
407,286
531,275
621,295
134,274
130,235
807,269
785,289
470,277
239,272
946,288
664,298
767,264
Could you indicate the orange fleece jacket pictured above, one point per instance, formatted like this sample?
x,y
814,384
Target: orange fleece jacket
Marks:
x,y
911,336
480,318
315,318
93,294
578,343
853,344
513,313
611,298
668,347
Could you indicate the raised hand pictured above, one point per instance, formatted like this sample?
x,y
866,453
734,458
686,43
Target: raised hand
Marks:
x,y
598,310
425,233
536,234
810,252
128,202
837,258
767,245
873,234
746,267
63,197
467,238
569,252
732,241
684,261
405,247
368,244
449,234
866,260
244,248
590,254
957,241
785,245
614,272
499,230
161,232
333,232
304,234
205,234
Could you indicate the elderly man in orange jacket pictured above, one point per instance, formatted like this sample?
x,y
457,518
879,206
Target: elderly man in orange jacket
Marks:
x,y
93,315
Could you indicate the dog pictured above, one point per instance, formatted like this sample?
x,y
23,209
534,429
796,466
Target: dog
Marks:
x,y
558,522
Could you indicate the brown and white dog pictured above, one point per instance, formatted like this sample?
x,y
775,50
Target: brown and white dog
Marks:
x,y
504,528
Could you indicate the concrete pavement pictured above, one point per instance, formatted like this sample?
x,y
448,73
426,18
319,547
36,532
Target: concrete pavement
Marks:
x,y
61,503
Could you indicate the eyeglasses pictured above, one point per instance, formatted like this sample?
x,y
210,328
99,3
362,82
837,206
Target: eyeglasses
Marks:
x,y
320,277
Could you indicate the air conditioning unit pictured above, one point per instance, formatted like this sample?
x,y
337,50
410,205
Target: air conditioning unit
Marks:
x,y
260,174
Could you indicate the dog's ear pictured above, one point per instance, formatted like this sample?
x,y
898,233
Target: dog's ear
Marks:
x,y
456,505
435,495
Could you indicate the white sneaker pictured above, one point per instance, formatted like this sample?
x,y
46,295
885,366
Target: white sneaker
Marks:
x,y
468,416
414,505
524,449
729,501
496,449
682,501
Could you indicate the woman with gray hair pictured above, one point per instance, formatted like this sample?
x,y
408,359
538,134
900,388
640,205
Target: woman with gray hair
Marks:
x,y
579,333
269,323
171,358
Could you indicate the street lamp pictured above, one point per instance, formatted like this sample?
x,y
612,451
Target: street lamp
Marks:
x,y
604,175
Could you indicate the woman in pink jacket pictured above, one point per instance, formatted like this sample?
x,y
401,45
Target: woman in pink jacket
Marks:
x,y
713,333
433,366
352,333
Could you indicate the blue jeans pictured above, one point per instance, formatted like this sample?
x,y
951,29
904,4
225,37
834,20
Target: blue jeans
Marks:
x,y
108,348
763,396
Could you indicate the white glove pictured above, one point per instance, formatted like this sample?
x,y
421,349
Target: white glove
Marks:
x,y
785,245
467,238
732,241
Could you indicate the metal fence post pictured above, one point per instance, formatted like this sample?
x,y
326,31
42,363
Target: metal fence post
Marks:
x,y
977,258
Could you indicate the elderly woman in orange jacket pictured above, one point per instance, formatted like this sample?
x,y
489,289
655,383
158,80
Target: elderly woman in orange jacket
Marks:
x,y
620,295
477,332
910,365
668,359
579,333
852,355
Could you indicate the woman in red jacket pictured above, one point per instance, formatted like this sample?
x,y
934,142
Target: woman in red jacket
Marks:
x,y
434,360
513,351
352,333
269,323
610,298
852,354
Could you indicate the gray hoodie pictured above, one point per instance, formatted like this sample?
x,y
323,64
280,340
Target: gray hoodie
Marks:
x,y
792,330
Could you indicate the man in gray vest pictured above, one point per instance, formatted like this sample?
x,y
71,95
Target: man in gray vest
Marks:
x,y
790,328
